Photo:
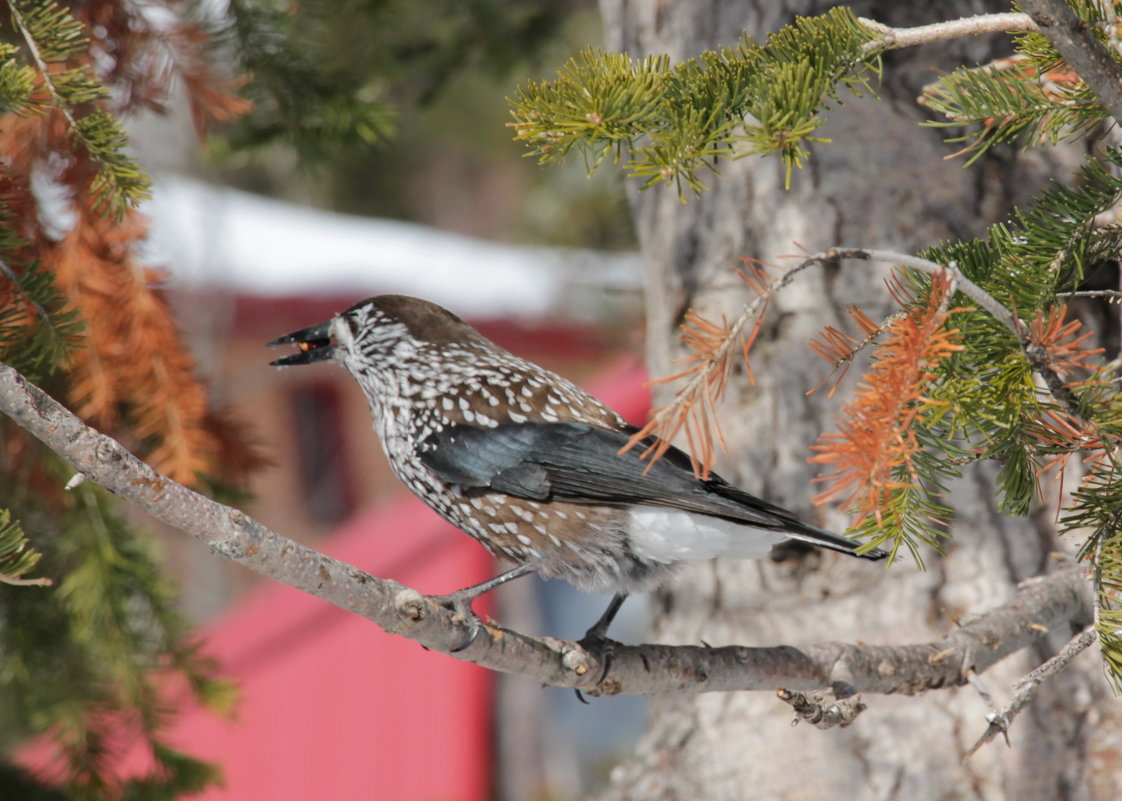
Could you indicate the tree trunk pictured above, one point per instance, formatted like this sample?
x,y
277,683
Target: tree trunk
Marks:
x,y
881,183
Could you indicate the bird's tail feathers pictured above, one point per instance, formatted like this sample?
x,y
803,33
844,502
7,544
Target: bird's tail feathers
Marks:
x,y
756,512
825,539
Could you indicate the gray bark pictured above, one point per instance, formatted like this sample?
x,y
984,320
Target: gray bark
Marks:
x,y
882,183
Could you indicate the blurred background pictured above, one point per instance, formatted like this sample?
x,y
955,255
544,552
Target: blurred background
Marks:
x,y
376,158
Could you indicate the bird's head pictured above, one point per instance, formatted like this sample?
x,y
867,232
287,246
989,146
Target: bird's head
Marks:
x,y
378,334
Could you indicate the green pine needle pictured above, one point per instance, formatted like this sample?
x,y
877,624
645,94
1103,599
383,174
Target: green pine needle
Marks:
x,y
1098,508
37,330
51,36
107,639
298,98
17,557
671,123
1034,100
17,84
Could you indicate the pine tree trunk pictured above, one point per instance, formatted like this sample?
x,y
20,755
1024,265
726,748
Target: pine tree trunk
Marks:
x,y
881,183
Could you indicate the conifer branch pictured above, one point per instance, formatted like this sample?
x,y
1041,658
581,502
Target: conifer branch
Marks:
x,y
665,122
1054,601
1076,42
17,557
149,389
892,497
1042,93
874,454
41,63
753,99
110,634
10,274
840,349
1035,355
52,37
1034,98
36,333
711,349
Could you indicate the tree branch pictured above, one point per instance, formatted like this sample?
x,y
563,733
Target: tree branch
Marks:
x,y
1060,599
1027,687
964,284
897,38
1033,352
1073,38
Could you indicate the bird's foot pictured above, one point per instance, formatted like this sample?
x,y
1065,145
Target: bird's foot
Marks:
x,y
599,646
595,640
460,604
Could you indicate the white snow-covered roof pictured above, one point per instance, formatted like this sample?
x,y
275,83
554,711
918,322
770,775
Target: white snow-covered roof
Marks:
x,y
217,237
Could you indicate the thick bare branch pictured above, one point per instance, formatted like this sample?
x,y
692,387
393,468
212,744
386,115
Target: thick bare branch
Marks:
x,y
1059,600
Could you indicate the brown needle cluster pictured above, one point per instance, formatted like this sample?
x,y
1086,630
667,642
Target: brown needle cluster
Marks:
x,y
132,375
875,437
713,350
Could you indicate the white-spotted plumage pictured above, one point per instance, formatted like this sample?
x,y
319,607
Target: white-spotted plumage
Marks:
x,y
527,463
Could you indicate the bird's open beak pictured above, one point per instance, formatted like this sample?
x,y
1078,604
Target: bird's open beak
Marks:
x,y
313,345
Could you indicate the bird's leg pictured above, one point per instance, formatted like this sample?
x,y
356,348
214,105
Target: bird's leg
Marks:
x,y
460,601
595,639
600,627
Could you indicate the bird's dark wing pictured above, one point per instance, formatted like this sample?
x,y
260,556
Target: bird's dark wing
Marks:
x,y
495,458
582,464
543,461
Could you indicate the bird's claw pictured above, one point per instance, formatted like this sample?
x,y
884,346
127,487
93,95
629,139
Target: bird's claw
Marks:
x,y
466,617
600,646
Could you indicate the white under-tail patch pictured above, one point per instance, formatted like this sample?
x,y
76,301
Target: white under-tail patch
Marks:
x,y
671,535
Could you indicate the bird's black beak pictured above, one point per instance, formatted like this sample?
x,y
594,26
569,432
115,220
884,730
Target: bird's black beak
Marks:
x,y
313,344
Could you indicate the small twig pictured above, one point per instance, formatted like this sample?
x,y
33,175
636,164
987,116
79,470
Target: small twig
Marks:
x,y
972,458
965,285
897,38
840,364
1028,685
980,687
1109,294
704,375
1031,681
22,582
